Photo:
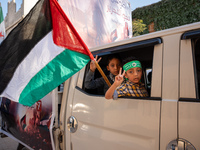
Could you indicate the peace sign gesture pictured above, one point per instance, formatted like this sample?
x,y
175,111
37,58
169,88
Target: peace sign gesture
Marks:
x,y
119,78
92,64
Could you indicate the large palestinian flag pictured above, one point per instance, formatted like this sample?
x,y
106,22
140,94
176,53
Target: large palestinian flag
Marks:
x,y
2,26
39,54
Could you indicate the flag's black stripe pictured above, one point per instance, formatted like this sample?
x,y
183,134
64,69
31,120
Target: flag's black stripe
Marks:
x,y
22,39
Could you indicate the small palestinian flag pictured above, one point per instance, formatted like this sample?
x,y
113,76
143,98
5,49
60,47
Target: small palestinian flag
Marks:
x,y
42,52
23,122
2,26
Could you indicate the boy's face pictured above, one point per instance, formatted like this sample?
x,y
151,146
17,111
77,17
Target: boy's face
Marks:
x,y
114,66
134,74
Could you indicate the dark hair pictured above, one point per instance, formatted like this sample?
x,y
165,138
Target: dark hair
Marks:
x,y
128,59
112,56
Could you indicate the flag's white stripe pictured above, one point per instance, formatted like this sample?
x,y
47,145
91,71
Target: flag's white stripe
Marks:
x,y
39,57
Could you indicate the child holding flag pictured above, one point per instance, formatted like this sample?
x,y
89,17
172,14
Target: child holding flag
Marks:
x,y
132,87
114,64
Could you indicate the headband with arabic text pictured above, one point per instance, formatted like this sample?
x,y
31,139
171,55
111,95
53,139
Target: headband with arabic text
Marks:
x,y
132,64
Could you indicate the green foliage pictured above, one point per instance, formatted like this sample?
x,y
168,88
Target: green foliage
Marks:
x,y
169,13
138,27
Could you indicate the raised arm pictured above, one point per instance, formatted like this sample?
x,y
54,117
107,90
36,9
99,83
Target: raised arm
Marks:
x,y
92,64
118,80
90,83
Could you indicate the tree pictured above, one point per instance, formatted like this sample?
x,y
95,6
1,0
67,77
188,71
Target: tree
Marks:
x,y
138,27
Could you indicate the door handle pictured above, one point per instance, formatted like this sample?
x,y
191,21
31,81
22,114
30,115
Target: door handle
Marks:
x,y
72,124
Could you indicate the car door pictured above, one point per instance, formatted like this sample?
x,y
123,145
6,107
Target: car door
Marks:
x,y
125,123
189,103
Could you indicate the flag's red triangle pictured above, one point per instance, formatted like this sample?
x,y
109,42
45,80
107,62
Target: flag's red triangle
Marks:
x,y
64,34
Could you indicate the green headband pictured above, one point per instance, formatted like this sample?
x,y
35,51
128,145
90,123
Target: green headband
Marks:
x,y
132,64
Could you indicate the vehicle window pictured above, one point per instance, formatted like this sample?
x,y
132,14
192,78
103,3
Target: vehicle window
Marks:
x,y
144,55
197,64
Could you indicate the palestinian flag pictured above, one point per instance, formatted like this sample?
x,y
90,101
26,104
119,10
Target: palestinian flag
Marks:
x,y
23,122
2,26
42,52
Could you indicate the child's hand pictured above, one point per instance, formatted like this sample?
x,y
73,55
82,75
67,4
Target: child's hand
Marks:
x,y
119,78
92,64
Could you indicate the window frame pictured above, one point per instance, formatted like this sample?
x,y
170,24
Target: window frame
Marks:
x,y
123,48
190,36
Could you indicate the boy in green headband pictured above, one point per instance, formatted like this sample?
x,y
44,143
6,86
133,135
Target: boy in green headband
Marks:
x,y
132,87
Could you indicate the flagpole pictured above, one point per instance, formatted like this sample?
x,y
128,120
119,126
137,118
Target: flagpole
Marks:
x,y
102,73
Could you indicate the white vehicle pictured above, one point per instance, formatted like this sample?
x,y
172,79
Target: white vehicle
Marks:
x,y
168,119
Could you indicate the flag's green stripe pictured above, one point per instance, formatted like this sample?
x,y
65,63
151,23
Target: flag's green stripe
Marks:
x,y
1,15
56,72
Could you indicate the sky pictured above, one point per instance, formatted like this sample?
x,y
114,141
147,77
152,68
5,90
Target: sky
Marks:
x,y
5,6
134,4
